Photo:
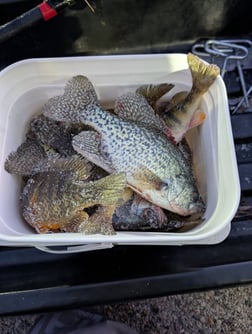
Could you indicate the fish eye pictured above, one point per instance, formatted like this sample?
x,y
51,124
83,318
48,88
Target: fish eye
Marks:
x,y
166,184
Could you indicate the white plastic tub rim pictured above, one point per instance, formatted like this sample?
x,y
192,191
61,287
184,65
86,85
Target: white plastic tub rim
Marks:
x,y
26,85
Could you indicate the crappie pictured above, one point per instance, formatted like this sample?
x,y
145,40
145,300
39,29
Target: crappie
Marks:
x,y
53,200
155,168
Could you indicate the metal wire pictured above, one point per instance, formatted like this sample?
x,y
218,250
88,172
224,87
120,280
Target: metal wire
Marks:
x,y
230,50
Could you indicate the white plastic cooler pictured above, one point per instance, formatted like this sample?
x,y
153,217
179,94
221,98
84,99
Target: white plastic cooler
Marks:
x,y
26,85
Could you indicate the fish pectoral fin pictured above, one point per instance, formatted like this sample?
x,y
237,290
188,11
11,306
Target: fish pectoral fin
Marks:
x,y
198,118
47,227
145,179
88,143
74,223
125,197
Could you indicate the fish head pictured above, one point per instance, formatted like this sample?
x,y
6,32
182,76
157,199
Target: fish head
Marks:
x,y
181,196
148,212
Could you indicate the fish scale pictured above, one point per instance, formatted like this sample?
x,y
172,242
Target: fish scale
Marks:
x,y
154,166
120,137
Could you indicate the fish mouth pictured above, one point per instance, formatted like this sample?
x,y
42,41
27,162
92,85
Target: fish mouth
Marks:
x,y
155,212
193,208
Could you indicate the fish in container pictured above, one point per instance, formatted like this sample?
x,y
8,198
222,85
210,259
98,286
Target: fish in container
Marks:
x,y
91,170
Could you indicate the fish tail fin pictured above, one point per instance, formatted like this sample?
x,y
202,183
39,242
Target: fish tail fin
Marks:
x,y
79,93
203,74
25,159
109,189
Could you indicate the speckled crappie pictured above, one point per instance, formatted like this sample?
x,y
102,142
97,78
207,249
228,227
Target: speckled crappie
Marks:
x,y
155,168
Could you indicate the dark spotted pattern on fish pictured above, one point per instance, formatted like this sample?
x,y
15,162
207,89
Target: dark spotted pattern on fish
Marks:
x,y
124,141
53,134
78,94
24,160
167,179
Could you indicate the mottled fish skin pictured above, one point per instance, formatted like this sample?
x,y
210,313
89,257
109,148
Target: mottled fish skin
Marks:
x,y
138,214
78,94
53,201
155,167
134,107
53,134
25,158
75,167
186,114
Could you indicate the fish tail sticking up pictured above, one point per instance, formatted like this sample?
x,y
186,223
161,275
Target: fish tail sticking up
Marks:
x,y
203,74
25,159
79,93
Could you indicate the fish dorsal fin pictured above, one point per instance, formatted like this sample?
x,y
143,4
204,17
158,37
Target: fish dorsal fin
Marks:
x,y
153,93
88,143
135,108
75,167
78,94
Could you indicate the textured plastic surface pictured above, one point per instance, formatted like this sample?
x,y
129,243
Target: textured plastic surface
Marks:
x,y
24,88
